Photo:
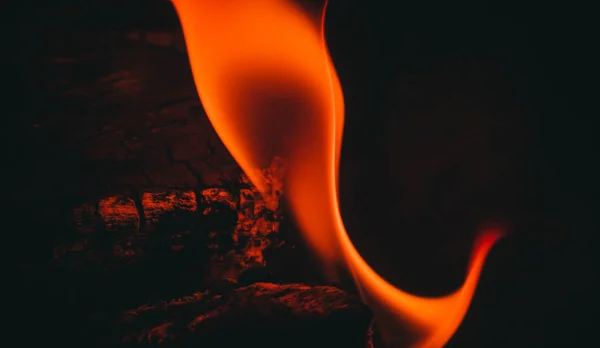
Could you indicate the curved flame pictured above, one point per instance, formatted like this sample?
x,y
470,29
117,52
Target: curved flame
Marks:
x,y
269,87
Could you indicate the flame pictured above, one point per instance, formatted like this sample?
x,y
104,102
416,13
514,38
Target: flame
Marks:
x,y
265,77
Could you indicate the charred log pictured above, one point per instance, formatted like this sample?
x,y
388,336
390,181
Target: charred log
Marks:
x,y
265,314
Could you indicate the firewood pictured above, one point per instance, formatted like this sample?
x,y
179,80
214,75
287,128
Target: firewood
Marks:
x,y
265,314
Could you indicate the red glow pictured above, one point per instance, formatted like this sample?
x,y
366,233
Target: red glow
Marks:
x,y
268,84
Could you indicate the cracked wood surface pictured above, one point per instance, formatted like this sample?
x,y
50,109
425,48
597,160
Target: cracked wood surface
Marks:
x,y
296,315
137,184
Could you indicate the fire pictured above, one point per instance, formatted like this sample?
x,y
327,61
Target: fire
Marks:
x,y
269,87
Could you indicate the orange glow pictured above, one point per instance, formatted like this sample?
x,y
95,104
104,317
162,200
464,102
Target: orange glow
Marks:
x,y
269,87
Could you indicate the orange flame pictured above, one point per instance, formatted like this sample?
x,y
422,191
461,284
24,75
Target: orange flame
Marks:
x,y
269,87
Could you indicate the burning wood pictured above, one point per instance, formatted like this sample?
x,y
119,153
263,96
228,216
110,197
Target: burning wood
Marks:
x,y
294,315
268,84
119,213
162,205
128,227
156,233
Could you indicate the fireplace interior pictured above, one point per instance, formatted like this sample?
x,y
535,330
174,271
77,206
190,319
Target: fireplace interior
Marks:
x,y
135,225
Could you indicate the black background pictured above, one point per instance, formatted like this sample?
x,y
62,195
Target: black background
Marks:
x,y
535,290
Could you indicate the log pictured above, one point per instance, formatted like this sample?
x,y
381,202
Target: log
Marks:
x,y
119,214
235,226
160,205
265,314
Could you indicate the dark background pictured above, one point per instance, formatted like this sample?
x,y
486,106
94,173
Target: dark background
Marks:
x,y
459,115
510,82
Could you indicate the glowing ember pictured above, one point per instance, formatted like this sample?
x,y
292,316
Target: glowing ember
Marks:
x,y
264,75
156,204
119,211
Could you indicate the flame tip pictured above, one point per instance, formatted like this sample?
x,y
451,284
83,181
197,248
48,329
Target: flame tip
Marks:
x,y
237,39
